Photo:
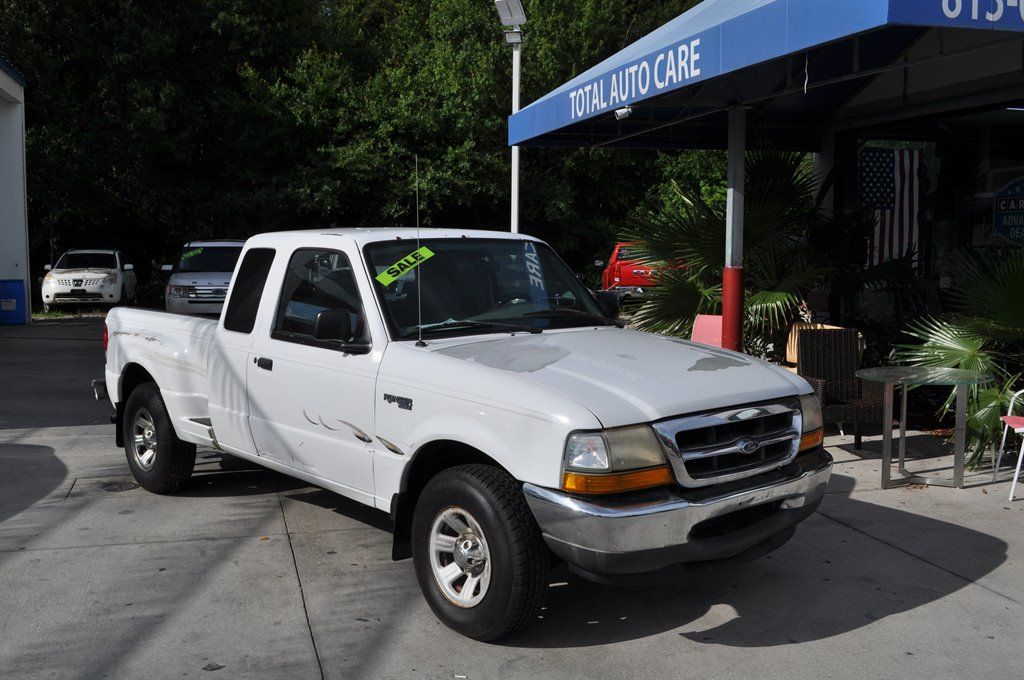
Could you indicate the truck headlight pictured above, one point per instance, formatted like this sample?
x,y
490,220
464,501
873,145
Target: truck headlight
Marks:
x,y
181,291
110,279
586,451
614,461
813,428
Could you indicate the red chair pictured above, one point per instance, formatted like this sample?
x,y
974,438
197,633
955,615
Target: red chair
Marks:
x,y
707,330
1017,424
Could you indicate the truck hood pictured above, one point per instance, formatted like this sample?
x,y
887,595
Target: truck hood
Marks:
x,y
200,279
625,377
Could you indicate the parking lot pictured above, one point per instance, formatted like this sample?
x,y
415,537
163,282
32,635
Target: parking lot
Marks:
x,y
249,574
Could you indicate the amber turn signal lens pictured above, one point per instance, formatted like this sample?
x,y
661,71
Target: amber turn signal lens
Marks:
x,y
812,439
577,482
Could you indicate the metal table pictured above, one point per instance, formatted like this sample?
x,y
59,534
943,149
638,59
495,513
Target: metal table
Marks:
x,y
905,377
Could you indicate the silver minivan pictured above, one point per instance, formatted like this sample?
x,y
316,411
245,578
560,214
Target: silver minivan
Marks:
x,y
199,279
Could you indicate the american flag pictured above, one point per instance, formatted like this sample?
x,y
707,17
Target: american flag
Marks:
x,y
889,184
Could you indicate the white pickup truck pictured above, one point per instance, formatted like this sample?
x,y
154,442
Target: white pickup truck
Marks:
x,y
470,386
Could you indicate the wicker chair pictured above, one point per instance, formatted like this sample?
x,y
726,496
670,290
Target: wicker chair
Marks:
x,y
828,360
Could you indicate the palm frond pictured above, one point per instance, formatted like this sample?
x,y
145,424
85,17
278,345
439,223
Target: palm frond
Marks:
x,y
675,302
990,287
772,310
945,343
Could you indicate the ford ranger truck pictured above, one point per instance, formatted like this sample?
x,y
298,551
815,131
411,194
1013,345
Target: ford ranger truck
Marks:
x,y
467,384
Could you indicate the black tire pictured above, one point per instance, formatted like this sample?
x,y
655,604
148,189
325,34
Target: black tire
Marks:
x,y
173,460
519,559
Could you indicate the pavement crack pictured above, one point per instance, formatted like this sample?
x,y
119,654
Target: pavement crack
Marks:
x,y
127,544
918,557
298,579
70,488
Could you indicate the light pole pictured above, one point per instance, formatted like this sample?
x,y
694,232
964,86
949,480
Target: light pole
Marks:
x,y
510,12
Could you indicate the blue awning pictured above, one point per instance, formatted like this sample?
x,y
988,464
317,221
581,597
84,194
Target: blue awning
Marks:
x,y
666,71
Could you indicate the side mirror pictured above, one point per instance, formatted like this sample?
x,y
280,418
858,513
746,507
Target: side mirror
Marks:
x,y
47,267
335,325
598,263
166,267
129,267
608,301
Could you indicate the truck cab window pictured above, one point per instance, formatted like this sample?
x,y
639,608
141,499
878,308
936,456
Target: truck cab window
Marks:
x,y
240,315
316,281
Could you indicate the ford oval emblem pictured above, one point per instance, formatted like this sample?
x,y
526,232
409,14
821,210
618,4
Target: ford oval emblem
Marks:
x,y
748,446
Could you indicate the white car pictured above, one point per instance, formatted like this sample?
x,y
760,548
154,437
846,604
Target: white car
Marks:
x,y
199,279
91,277
470,386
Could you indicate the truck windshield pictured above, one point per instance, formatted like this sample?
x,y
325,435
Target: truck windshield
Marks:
x,y
87,261
472,286
208,258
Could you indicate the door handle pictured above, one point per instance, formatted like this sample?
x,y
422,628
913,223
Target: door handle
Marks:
x,y
264,363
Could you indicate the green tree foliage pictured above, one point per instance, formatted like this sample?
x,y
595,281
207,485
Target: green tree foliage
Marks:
x,y
153,123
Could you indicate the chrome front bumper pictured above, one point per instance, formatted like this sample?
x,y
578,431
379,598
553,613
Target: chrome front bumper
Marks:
x,y
204,306
647,531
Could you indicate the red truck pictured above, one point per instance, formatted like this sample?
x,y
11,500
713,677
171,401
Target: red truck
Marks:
x,y
626,273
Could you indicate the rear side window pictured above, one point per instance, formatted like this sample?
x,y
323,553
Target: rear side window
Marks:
x,y
247,290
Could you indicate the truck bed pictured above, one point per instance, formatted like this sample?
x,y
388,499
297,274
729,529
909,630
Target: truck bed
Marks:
x,y
175,350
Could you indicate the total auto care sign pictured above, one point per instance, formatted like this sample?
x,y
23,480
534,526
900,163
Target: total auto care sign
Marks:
x,y
1009,211
666,70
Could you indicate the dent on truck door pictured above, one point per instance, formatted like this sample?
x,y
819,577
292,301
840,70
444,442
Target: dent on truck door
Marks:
x,y
313,403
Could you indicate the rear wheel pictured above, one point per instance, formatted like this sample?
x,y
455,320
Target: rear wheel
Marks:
x,y
480,559
159,461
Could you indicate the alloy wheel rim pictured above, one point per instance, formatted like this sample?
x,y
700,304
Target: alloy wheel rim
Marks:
x,y
144,443
459,557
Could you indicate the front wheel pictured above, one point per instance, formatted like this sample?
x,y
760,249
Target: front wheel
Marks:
x,y
479,556
159,461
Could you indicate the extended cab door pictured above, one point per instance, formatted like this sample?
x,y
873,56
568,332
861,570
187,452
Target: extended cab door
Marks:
x,y
310,401
231,352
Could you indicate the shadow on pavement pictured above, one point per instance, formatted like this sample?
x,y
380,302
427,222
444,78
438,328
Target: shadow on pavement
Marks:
x,y
830,579
30,473
346,507
826,581
225,475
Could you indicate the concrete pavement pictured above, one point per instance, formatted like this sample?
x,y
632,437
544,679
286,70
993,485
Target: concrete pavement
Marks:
x,y
249,574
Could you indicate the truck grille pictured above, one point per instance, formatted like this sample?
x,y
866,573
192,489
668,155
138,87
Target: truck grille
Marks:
x,y
78,283
211,293
722,446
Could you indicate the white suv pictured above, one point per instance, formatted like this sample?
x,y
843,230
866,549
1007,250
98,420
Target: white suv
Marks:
x,y
199,279
99,277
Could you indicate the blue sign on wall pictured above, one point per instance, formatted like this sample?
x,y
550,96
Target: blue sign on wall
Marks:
x,y
1009,211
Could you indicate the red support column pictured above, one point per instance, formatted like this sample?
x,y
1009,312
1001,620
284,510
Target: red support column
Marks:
x,y
732,308
732,275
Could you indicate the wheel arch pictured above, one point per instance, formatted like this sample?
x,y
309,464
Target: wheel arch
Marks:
x,y
430,459
132,375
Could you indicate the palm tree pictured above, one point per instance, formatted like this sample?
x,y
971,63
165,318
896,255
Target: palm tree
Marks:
x,y
791,246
